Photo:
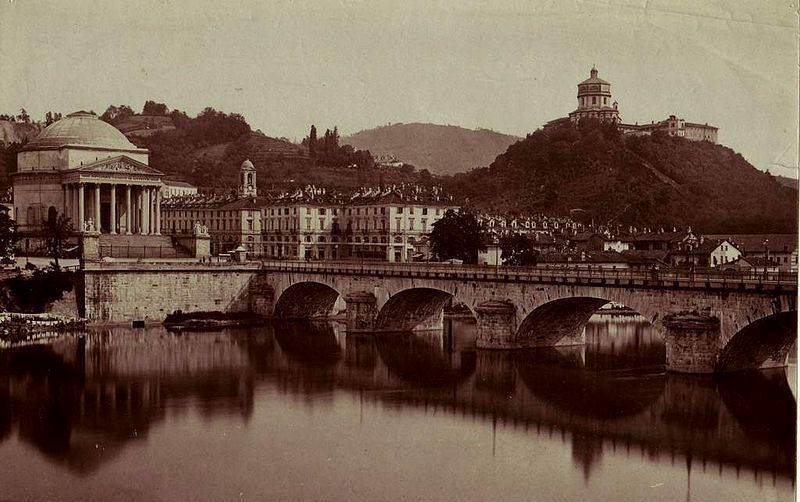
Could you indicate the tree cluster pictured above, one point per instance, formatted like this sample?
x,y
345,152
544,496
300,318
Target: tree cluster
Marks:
x,y
517,250
457,235
326,151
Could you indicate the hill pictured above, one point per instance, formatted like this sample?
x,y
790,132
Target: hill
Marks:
x,y
207,151
441,149
786,181
17,132
649,180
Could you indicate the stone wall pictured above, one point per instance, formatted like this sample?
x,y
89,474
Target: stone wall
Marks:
x,y
115,293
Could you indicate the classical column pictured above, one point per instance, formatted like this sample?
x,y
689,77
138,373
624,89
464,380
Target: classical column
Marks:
x,y
158,212
145,210
128,209
97,207
80,206
65,189
113,208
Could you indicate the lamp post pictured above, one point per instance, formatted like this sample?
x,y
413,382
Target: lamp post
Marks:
x,y
766,256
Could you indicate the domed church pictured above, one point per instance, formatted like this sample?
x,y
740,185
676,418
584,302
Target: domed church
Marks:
x,y
87,169
594,100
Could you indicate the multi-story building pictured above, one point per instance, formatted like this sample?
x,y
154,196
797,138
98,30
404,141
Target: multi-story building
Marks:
x,y
174,188
231,220
371,224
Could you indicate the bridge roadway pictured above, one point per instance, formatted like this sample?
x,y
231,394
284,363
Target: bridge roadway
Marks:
x,y
110,386
711,322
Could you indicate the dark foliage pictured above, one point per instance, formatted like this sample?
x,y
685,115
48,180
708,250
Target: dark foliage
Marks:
x,y
648,180
33,293
458,235
518,250
57,231
8,235
326,151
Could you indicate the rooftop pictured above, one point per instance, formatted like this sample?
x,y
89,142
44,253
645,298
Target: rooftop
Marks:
x,y
83,129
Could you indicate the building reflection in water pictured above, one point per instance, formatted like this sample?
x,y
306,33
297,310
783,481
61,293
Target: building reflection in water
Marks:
x,y
81,401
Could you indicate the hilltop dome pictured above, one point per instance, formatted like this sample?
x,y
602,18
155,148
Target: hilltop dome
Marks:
x,y
81,128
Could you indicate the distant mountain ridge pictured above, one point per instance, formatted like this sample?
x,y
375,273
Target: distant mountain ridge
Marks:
x,y
441,149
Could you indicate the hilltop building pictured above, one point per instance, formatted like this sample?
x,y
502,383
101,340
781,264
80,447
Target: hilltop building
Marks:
x,y
87,169
595,102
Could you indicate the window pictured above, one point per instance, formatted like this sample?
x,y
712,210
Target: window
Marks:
x,y
399,210
383,210
594,100
411,223
399,224
322,223
322,211
308,223
374,210
424,211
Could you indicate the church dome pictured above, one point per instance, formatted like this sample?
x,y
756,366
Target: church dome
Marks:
x,y
81,128
247,165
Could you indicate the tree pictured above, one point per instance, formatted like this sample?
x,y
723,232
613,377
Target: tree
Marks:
x,y
518,251
153,108
457,235
23,116
8,235
312,142
115,114
57,230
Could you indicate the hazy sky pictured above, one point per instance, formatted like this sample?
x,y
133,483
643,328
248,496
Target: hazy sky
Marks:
x,y
508,66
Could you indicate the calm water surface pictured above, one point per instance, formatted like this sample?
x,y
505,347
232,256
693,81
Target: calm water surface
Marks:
x,y
305,412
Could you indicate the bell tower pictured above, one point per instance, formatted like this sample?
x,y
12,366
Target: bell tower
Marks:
x,y
247,180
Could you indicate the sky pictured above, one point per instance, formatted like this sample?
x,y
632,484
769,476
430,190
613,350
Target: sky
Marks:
x,y
507,66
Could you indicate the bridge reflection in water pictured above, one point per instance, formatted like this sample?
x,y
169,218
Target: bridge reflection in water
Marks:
x,y
80,402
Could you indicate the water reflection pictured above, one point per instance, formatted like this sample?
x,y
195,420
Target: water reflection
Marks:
x,y
80,402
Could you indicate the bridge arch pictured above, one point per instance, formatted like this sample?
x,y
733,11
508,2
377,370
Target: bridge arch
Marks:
x,y
561,321
764,343
306,300
413,309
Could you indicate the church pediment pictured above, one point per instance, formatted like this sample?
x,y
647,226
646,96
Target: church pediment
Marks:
x,y
120,164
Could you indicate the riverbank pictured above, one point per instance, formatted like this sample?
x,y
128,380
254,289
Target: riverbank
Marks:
x,y
210,321
19,328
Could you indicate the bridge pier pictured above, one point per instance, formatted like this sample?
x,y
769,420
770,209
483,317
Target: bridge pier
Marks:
x,y
361,310
692,342
496,325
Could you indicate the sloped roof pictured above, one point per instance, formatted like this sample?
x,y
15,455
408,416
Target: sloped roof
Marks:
x,y
754,243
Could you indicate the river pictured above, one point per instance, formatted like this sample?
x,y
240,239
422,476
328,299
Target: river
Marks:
x,y
302,411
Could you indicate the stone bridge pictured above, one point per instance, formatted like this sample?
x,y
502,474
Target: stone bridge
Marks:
x,y
711,323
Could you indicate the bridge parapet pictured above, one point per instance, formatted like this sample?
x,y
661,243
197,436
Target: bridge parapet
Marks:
x,y
625,278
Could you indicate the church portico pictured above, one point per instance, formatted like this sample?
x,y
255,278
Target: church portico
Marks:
x,y
113,196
